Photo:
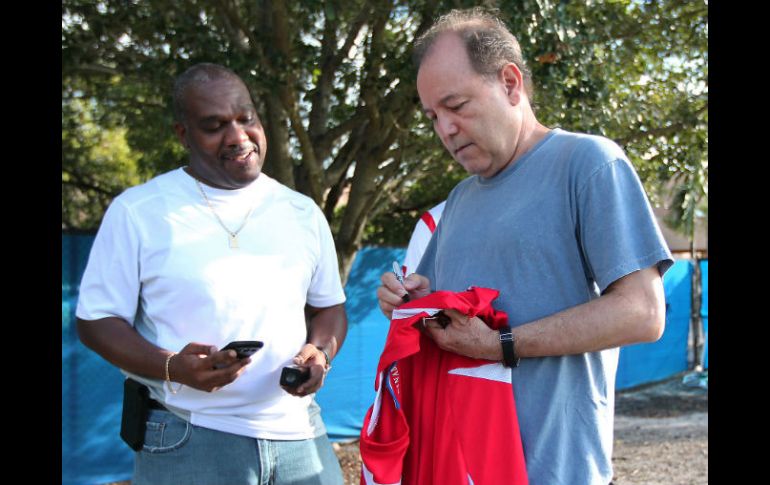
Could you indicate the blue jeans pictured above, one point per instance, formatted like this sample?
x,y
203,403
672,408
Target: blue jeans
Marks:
x,y
176,452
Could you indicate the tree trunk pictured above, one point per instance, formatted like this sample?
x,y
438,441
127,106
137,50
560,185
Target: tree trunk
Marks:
x,y
696,326
278,164
363,198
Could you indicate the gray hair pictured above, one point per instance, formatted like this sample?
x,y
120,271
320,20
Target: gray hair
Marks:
x,y
198,74
488,42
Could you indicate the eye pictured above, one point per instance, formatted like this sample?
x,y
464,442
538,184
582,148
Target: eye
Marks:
x,y
211,127
457,107
248,117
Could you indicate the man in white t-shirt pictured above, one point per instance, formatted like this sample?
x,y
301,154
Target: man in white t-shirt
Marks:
x,y
203,255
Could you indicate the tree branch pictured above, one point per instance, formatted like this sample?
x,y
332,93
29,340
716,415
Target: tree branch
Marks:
x,y
96,69
288,95
237,32
79,182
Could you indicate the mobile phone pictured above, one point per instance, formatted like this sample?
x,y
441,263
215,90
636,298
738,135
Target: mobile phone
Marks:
x,y
244,348
293,376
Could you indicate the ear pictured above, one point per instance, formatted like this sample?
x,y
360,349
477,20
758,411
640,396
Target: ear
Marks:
x,y
181,131
513,81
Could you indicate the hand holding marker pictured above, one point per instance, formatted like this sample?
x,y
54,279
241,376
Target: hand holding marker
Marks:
x,y
400,278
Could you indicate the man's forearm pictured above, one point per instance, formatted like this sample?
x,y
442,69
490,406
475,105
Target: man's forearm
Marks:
x,y
121,345
632,310
327,328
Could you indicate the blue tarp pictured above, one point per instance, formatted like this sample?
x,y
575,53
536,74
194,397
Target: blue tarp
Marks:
x,y
704,309
92,452
349,390
92,391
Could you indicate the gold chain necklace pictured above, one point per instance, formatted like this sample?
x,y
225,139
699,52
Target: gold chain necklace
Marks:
x,y
233,235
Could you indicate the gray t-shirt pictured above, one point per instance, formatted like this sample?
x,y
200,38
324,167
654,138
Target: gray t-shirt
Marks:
x,y
552,231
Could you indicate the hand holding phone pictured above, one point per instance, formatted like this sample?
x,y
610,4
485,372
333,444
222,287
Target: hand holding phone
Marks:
x,y
293,375
244,348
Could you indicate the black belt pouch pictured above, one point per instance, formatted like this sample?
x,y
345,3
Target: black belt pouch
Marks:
x,y
136,400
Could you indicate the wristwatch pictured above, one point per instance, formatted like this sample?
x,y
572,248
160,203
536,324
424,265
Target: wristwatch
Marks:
x,y
328,360
507,341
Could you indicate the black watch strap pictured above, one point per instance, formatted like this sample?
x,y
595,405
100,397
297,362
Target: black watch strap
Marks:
x,y
509,354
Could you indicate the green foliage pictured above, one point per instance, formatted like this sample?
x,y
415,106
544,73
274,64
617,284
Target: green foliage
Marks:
x,y
336,82
394,227
634,71
97,164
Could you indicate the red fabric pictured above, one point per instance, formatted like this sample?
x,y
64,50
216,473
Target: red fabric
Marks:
x,y
432,425
427,218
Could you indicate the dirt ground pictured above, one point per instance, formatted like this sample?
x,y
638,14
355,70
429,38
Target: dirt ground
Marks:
x,y
661,437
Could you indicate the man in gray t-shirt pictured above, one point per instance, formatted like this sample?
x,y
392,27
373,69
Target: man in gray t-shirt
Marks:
x,y
560,224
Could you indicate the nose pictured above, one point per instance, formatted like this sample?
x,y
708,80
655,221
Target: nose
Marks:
x,y
235,134
445,127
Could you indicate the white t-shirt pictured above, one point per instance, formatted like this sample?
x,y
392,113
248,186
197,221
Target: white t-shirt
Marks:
x,y
421,235
162,262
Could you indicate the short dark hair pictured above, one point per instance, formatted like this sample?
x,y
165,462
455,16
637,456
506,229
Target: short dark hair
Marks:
x,y
201,73
488,42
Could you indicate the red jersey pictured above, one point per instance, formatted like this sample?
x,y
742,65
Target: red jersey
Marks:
x,y
442,418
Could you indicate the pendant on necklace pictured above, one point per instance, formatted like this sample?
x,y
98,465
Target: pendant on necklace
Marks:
x,y
233,241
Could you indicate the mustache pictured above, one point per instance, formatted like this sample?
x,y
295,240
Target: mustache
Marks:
x,y
241,150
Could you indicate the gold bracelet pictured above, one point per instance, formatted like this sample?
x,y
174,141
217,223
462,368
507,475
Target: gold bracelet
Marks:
x,y
168,377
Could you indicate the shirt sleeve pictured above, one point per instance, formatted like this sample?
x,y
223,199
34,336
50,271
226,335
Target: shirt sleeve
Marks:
x,y
325,286
110,284
417,244
617,228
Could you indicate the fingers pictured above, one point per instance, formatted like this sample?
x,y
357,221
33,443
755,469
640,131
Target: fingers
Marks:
x,y
418,285
309,354
226,373
314,382
468,336
431,323
309,357
203,367
387,301
314,361
457,317
390,294
195,348
392,288
224,359
436,332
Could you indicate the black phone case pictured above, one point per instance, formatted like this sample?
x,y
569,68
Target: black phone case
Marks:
x,y
244,348
294,376
133,422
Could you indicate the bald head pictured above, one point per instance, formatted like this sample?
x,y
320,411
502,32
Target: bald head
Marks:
x,y
488,42
198,75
